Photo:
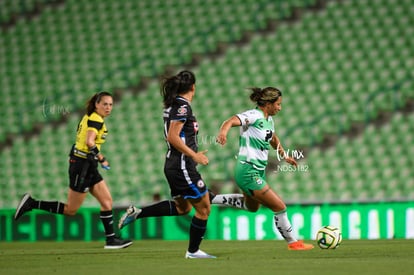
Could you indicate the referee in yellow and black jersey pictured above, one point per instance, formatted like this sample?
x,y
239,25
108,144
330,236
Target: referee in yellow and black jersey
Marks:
x,y
84,176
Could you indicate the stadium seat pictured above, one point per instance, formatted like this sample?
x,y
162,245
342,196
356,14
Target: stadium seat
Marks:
x,y
328,64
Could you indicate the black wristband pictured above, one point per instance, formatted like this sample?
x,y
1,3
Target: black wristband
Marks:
x,y
94,150
102,160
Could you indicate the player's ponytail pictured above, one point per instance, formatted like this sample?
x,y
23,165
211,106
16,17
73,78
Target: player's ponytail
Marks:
x,y
175,85
262,96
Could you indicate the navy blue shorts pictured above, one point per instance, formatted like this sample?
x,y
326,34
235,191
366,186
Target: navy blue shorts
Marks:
x,y
184,181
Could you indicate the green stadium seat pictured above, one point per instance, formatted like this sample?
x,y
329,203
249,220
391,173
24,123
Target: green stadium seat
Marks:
x,y
324,65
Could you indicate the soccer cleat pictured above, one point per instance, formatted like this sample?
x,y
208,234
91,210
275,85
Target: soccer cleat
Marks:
x,y
117,243
24,206
199,254
129,216
299,245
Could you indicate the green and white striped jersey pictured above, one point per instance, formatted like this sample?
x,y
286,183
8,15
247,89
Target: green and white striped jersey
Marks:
x,y
255,134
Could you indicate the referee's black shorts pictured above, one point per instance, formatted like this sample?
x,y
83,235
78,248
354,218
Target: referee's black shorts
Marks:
x,y
83,174
184,179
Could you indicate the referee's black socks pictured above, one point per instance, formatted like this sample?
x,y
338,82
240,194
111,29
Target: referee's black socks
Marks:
x,y
55,207
108,223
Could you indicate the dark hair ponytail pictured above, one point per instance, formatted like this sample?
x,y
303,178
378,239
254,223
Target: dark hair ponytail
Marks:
x,y
96,98
175,85
262,96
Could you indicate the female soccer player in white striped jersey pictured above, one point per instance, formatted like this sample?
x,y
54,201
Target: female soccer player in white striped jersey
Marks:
x,y
257,135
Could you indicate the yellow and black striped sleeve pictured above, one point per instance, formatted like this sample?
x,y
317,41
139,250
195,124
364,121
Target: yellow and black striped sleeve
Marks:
x,y
95,123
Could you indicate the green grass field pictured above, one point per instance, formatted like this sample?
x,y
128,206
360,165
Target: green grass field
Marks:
x,y
234,257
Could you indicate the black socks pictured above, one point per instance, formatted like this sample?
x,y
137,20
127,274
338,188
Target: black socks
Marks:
x,y
108,223
163,208
197,230
55,207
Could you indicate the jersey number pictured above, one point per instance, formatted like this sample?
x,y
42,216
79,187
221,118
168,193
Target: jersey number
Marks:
x,y
269,135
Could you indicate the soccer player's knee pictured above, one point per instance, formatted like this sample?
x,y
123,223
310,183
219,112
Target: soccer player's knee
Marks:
x,y
204,212
184,211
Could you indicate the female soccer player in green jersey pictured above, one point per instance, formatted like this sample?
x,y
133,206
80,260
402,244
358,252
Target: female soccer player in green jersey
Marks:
x,y
257,135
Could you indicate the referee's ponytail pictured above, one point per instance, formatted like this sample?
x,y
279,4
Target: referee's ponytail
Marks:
x,y
96,98
176,85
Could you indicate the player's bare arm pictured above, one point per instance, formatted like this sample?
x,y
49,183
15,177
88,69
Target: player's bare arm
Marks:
x,y
275,143
173,137
90,142
225,127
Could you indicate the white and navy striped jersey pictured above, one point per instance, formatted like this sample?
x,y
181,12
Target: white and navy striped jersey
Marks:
x,y
181,110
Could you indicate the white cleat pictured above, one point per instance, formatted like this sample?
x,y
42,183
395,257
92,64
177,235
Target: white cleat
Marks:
x,y
129,216
199,254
